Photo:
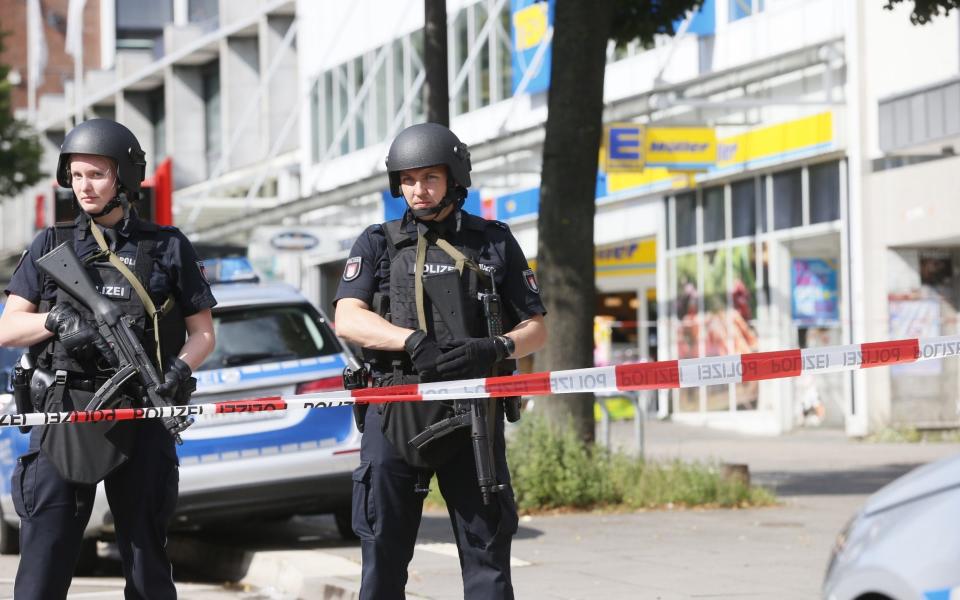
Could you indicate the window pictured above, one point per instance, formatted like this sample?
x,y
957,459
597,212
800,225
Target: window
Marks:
x,y
740,9
140,23
787,200
251,336
204,12
686,219
744,207
393,100
714,221
825,192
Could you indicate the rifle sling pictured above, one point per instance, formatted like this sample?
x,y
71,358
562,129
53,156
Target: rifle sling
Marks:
x,y
137,287
460,260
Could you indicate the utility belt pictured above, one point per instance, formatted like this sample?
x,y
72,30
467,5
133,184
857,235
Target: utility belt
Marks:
x,y
76,381
32,383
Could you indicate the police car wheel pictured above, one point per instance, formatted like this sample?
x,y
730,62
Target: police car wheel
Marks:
x,y
344,520
9,538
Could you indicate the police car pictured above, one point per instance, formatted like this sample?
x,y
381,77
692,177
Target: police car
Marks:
x,y
270,341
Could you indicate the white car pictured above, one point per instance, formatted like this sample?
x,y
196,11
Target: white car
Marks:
x,y
270,341
904,544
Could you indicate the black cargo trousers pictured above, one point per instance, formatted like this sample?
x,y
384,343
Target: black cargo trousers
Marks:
x,y
387,512
142,493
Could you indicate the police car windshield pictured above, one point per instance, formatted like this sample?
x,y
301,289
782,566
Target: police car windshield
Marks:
x,y
264,334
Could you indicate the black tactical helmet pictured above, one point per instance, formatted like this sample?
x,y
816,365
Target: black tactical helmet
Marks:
x,y
425,145
104,137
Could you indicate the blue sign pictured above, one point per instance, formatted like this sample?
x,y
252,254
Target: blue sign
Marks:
x,y
815,299
704,19
530,20
626,143
393,208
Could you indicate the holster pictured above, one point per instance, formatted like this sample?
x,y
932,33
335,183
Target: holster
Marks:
x,y
21,391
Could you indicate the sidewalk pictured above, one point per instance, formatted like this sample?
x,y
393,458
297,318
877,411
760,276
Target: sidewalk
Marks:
x,y
821,476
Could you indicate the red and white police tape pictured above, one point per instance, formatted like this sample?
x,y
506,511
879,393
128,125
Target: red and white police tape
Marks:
x,y
692,372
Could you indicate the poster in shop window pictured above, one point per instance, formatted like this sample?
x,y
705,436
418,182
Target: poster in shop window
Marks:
x,y
815,302
914,317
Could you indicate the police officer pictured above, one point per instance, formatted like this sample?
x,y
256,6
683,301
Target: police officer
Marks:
x,y
54,483
381,306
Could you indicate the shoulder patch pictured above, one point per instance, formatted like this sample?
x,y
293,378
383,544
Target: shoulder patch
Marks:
x,y
351,270
530,278
203,272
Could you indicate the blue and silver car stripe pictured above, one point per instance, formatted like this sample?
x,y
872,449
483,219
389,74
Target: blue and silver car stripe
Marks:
x,y
224,380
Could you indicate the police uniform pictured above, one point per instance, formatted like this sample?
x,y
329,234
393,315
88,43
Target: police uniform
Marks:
x,y
387,507
54,483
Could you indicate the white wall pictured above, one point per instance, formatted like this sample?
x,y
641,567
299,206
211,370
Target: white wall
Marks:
x,y
909,206
901,57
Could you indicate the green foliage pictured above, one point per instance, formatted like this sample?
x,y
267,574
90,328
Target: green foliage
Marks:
x,y
911,435
552,469
645,19
20,150
925,11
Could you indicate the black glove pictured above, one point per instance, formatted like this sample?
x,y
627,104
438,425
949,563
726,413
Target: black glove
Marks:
x,y
423,352
470,357
177,373
76,334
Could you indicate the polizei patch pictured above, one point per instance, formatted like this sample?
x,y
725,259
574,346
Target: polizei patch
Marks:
x,y
351,270
531,280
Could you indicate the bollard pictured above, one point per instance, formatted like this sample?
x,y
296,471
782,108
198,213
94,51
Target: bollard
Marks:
x,y
735,472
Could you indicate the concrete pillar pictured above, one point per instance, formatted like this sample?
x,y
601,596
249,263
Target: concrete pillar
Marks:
x,y
278,101
183,95
133,110
240,83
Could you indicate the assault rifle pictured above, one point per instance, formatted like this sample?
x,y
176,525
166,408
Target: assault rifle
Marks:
x,y
62,265
445,291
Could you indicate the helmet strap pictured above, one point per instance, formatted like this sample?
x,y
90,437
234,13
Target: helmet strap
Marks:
x,y
455,194
118,200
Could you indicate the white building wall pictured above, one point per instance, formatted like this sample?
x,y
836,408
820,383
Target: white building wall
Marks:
x,y
901,57
908,207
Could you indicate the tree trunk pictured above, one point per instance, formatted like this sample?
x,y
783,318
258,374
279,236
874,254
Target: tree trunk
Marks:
x,y
567,199
436,89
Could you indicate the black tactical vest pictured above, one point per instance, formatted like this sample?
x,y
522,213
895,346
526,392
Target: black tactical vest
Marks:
x,y
404,420
88,452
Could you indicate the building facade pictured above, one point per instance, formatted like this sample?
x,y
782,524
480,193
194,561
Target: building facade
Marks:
x,y
824,218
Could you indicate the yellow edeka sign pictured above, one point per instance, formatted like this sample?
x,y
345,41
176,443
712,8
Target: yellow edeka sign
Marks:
x,y
631,147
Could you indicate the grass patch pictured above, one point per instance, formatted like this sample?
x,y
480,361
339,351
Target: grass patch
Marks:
x,y
553,470
912,435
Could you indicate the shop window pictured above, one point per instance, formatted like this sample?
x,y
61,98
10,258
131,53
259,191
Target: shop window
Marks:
x,y
716,338
686,210
743,316
688,323
666,225
762,201
744,210
787,200
825,192
714,223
